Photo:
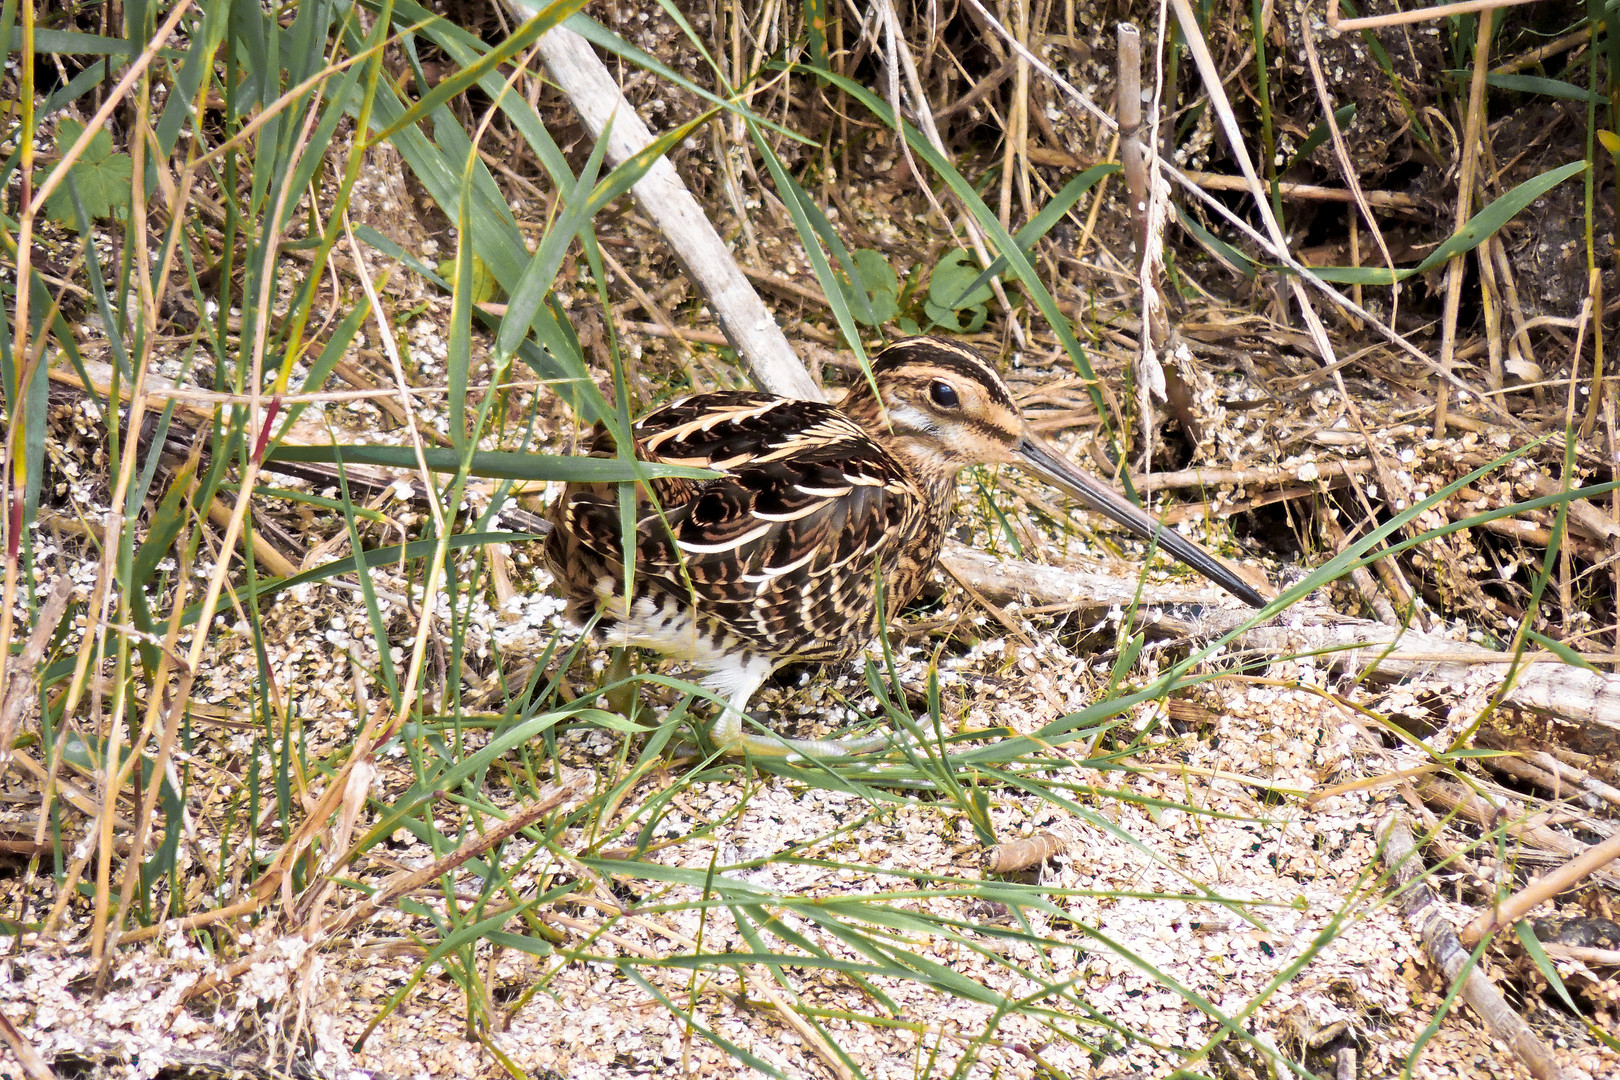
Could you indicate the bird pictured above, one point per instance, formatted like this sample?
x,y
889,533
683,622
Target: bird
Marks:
x,y
820,520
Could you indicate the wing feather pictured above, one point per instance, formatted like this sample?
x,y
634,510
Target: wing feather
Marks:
x,y
781,550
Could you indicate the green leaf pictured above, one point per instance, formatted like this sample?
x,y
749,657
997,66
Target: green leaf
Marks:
x,y
878,284
1050,214
950,286
952,320
1531,84
494,464
540,21
1476,231
484,286
1216,246
1320,133
101,177
1544,964
611,721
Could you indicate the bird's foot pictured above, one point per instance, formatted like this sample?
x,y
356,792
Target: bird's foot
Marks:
x,y
728,734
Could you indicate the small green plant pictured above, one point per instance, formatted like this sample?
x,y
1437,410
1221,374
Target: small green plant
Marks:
x,y
957,299
100,178
874,298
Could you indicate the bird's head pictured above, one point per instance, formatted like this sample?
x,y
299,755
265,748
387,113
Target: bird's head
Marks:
x,y
941,407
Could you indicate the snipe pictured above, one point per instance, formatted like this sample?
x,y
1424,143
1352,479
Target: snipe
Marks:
x,y
778,560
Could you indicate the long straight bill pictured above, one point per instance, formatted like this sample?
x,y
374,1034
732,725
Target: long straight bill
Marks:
x,y
1056,469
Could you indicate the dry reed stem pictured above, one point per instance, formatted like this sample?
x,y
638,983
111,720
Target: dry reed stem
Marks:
x,y
1423,914
1472,128
1288,189
1401,18
33,1065
18,686
1544,888
1347,170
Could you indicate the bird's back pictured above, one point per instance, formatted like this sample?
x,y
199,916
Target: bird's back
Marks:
x,y
777,557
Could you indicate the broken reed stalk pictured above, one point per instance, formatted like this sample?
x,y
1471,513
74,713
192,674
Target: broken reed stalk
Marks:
x,y
1542,889
1446,953
1465,191
664,198
1132,156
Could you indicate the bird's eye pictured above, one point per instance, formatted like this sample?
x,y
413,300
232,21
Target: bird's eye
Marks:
x,y
943,394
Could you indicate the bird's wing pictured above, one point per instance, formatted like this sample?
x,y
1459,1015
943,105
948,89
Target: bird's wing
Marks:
x,y
783,547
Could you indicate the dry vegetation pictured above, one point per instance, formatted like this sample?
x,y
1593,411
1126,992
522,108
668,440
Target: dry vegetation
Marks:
x,y
379,815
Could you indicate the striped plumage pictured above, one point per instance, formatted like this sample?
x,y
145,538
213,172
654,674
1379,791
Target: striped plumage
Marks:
x,y
777,560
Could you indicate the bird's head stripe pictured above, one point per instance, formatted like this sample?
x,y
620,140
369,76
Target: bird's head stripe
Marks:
x,y
948,357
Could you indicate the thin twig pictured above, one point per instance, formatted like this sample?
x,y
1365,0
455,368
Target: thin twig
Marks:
x,y
1541,890
1401,18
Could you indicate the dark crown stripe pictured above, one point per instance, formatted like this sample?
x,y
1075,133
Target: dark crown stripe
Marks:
x,y
949,356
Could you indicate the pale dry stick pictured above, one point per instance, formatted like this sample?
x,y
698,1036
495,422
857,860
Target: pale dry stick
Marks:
x,y
1582,954
1133,155
979,91
34,1066
1500,813
665,199
1536,56
263,550
1423,914
1401,18
682,334
1613,437
217,397
1290,190
1490,297
1366,783
1473,123
1570,774
1594,294
1397,201
1355,260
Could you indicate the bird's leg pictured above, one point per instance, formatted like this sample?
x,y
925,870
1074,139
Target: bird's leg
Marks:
x,y
727,731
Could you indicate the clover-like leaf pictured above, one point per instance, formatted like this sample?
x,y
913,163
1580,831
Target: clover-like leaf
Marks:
x,y
100,177
951,284
877,281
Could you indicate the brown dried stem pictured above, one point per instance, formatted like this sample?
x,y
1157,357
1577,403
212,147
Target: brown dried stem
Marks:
x,y
1541,890
1423,913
